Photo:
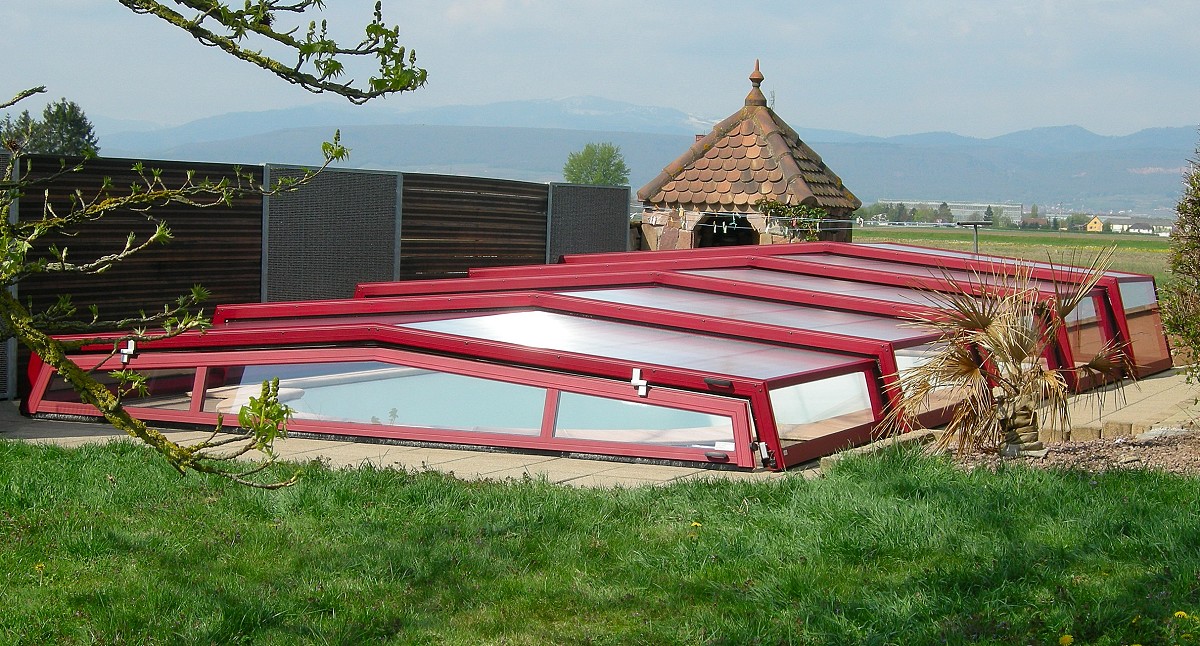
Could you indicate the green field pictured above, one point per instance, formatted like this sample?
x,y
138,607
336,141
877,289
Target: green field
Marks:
x,y
106,545
1140,254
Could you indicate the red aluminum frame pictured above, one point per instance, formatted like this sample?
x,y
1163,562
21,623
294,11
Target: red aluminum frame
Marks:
x,y
230,336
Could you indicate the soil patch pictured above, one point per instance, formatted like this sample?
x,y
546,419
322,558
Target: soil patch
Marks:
x,y
1172,450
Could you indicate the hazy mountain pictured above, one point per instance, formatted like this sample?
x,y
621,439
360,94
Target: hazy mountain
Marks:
x,y
530,140
574,113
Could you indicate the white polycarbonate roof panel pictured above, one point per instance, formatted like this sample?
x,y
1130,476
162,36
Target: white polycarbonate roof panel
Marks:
x,y
889,293
638,344
798,317
986,273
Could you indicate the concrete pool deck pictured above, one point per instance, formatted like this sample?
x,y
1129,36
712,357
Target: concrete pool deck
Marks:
x,y
1165,400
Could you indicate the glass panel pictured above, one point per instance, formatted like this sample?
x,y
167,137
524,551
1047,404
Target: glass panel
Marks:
x,y
799,317
816,408
1137,295
918,355
989,273
1086,336
166,389
1147,337
585,417
925,251
641,344
887,293
909,358
380,393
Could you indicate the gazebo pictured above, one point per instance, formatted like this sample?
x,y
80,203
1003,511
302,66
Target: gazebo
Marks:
x,y
710,195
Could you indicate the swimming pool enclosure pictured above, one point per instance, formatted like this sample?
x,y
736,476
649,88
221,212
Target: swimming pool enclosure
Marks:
x,y
736,357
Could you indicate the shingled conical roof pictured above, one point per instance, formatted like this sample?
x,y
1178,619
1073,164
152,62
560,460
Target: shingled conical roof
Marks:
x,y
749,156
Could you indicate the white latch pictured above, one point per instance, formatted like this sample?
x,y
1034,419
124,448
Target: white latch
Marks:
x,y
641,385
128,352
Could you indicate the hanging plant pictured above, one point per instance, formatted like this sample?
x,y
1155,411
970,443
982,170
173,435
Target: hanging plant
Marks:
x,y
794,221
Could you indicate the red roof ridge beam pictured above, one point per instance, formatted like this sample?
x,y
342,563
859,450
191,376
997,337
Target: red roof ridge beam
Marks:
x,y
782,248
454,287
869,249
534,281
245,312
936,271
879,277
641,263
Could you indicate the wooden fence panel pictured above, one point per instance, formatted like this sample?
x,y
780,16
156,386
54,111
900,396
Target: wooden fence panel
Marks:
x,y
450,224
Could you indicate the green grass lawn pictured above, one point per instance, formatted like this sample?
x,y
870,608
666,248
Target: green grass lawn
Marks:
x,y
1141,254
107,545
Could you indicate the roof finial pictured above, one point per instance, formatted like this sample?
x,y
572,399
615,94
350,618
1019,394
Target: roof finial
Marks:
x,y
756,96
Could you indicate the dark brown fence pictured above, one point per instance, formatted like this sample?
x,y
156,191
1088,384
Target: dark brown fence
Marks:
x,y
219,247
347,227
449,224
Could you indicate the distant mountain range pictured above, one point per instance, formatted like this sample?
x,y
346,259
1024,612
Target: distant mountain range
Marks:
x,y
530,140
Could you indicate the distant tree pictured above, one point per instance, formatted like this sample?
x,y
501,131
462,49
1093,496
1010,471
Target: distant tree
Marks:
x,y
1181,294
989,214
597,163
1054,224
1106,227
16,133
63,130
873,211
944,214
924,214
1033,211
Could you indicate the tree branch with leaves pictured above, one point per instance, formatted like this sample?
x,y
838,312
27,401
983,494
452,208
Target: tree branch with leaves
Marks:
x,y
318,60
315,62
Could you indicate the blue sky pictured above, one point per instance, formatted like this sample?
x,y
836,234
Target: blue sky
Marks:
x,y
882,67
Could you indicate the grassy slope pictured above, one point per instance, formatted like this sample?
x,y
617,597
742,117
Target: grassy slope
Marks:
x,y
105,544
1140,254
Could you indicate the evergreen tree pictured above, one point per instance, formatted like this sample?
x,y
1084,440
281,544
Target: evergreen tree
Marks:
x,y
1181,294
16,133
64,130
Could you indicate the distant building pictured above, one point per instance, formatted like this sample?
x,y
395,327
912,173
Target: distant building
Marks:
x,y
1095,225
1141,227
707,197
1118,223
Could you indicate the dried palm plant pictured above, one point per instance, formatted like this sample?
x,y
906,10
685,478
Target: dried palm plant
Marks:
x,y
997,328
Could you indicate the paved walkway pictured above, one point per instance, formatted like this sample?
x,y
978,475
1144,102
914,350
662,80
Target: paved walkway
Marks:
x,y
466,464
1161,401
1164,400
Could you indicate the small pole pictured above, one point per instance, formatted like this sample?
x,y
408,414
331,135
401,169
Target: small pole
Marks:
x,y
975,224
